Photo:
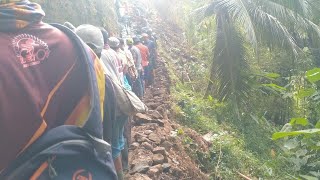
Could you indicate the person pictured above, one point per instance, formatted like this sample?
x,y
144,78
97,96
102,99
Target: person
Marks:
x,y
116,120
131,72
114,44
43,84
92,36
144,51
152,36
130,76
138,83
118,139
153,55
110,59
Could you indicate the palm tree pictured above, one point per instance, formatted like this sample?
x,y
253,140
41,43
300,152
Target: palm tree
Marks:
x,y
276,23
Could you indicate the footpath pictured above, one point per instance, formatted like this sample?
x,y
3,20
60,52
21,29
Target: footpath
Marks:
x,y
157,150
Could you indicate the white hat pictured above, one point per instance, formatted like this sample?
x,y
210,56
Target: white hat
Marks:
x,y
91,35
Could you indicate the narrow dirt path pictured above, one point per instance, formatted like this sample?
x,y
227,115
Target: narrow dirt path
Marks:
x,y
157,151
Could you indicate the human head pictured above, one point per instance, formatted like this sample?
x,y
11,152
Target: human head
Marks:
x,y
149,32
121,43
136,40
105,36
145,36
114,43
129,41
92,36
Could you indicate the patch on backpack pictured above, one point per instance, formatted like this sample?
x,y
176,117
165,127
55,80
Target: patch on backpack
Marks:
x,y
82,175
30,50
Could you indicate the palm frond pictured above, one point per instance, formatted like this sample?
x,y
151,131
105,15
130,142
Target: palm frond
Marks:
x,y
229,62
203,12
273,30
288,17
303,7
237,10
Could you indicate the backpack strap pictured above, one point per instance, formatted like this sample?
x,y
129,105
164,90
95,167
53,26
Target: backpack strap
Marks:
x,y
86,54
95,115
87,135
63,141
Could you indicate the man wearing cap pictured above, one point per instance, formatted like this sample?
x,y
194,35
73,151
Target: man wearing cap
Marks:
x,y
137,84
118,140
44,83
153,55
144,51
110,59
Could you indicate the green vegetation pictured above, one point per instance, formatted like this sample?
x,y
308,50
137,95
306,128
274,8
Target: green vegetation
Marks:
x,y
260,61
253,82
98,12
245,145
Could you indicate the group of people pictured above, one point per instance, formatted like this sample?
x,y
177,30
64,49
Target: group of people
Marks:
x,y
45,84
131,63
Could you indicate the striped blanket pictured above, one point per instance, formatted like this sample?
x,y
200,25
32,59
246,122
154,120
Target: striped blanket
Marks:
x,y
17,14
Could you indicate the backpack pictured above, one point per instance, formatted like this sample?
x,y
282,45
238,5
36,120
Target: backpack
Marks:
x,y
127,101
67,152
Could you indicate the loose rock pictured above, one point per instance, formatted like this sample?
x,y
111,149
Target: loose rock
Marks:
x,y
147,146
140,168
155,138
145,159
148,132
159,150
139,177
157,159
142,116
153,105
139,136
167,145
142,119
166,167
160,122
155,114
155,171
134,145
176,172
159,92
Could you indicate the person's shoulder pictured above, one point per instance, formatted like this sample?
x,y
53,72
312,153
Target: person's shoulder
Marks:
x,y
145,47
41,27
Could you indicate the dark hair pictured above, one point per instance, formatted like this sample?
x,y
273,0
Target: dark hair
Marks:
x,y
121,41
136,40
105,35
94,48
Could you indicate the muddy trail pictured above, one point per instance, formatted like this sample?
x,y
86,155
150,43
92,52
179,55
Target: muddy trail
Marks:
x,y
157,150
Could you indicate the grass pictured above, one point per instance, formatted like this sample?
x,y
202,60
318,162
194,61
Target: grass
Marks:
x,y
239,146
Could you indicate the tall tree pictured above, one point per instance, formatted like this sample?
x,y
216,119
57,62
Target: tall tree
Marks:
x,y
276,23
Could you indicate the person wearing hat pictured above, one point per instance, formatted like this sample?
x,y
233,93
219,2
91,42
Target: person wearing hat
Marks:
x,y
92,36
144,51
138,83
131,72
152,58
118,140
114,44
110,59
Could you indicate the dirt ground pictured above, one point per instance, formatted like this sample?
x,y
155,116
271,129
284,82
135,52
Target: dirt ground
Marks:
x,y
157,151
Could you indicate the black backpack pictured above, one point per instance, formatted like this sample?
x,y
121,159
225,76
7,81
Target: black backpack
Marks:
x,y
66,152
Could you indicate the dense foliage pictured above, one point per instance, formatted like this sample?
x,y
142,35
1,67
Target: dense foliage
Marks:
x,y
98,12
262,56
